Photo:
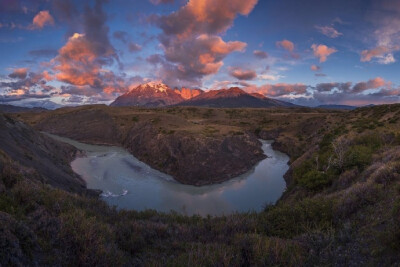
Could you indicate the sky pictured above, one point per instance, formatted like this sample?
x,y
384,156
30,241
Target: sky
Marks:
x,y
308,52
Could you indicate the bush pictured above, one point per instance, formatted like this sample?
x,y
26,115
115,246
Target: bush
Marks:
x,y
291,219
358,156
357,197
314,180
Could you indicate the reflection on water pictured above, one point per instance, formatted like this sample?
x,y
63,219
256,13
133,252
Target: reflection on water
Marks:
x,y
129,183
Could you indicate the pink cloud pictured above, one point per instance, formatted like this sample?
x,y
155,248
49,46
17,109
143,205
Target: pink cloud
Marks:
x,y
241,74
328,31
315,68
19,73
371,84
204,16
322,52
42,19
260,54
191,39
286,44
279,89
383,53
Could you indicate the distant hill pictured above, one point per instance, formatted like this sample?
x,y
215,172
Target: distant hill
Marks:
x,y
343,107
16,109
233,98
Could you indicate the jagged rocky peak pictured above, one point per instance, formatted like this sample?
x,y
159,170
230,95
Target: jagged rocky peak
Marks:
x,y
151,94
155,85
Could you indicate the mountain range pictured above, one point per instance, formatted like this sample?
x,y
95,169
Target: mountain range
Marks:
x,y
158,95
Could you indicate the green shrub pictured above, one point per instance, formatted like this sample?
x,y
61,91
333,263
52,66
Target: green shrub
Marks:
x,y
358,156
287,220
314,180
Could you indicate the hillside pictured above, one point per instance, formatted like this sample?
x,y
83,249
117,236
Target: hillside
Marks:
x,y
342,205
15,109
43,158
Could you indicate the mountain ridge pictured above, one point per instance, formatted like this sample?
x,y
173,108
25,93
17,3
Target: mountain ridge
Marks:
x,y
154,94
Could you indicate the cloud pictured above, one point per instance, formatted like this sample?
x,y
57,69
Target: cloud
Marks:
x,y
260,54
121,35
347,87
204,16
328,31
371,84
269,77
158,2
347,94
322,52
42,19
155,59
383,53
25,85
315,68
279,89
82,60
195,58
191,42
289,46
133,47
328,87
285,44
19,73
241,74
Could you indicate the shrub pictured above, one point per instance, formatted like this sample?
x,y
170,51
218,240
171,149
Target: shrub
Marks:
x,y
314,180
356,197
287,220
358,156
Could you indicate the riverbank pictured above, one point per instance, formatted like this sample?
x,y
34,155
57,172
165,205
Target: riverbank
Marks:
x,y
114,171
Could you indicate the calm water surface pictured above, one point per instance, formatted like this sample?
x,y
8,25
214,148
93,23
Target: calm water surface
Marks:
x,y
129,183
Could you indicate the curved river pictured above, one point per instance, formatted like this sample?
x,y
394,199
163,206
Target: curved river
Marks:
x,y
129,183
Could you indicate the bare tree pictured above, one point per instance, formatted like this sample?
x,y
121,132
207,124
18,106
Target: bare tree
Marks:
x,y
340,146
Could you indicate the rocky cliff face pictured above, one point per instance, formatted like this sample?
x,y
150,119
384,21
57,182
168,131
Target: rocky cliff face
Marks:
x,y
194,160
187,93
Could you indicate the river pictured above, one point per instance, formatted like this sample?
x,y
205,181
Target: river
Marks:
x,y
129,183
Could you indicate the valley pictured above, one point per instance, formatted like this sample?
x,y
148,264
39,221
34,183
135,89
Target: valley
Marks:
x,y
195,145
340,205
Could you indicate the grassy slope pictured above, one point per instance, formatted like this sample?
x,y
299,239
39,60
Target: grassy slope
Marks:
x,y
344,214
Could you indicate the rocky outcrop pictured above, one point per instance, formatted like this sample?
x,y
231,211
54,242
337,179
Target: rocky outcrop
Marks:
x,y
187,93
193,159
